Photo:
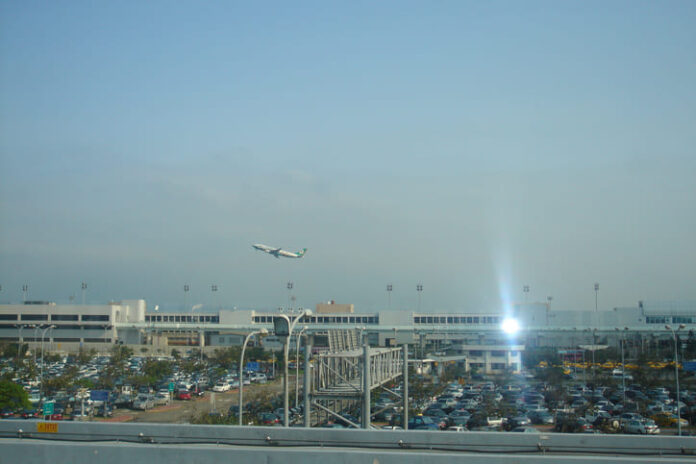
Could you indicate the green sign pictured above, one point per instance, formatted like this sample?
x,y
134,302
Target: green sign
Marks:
x,y
171,387
48,409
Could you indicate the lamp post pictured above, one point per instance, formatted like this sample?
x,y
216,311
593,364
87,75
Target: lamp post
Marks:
x,y
596,294
283,328
37,327
525,289
390,287
297,364
594,343
676,371
289,287
263,331
187,287
623,363
84,290
43,334
214,289
25,289
20,341
419,289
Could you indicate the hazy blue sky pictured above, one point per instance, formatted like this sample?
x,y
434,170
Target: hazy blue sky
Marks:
x,y
472,146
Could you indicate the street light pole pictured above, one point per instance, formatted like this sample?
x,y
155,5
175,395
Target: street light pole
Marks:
x,y
43,334
676,371
623,364
389,290
290,286
596,294
419,289
525,289
297,365
281,322
37,327
241,370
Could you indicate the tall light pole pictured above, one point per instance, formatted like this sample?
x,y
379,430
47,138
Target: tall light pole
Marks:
x,y
37,327
594,343
187,287
84,290
676,370
419,289
297,364
623,363
289,286
43,334
25,290
525,289
283,328
596,296
263,331
20,340
389,290
214,289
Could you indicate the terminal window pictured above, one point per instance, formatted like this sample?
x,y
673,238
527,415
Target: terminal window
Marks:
x,y
34,317
95,317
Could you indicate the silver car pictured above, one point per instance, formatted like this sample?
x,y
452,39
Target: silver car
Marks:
x,y
144,402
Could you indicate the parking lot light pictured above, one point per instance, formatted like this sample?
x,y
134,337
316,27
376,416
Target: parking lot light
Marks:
x,y
263,331
297,365
676,370
283,328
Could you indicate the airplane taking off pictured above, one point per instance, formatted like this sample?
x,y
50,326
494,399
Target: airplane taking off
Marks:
x,y
278,252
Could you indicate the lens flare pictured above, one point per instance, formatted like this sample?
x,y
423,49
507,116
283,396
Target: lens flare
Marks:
x,y
510,326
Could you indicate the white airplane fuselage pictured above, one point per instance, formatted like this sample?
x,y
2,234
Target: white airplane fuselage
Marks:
x,y
278,252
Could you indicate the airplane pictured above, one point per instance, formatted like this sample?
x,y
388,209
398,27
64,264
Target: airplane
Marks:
x,y
278,252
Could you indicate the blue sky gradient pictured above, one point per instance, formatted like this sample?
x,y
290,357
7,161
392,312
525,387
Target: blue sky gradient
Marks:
x,y
472,146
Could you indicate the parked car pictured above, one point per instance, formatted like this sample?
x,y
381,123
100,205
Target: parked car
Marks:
x,y
161,398
667,419
267,418
221,387
422,423
647,427
144,402
183,395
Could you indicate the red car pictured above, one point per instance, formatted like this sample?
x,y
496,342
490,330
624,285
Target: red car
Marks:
x,y
183,395
55,417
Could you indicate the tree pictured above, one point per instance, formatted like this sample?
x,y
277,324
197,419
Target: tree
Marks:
x,y
13,396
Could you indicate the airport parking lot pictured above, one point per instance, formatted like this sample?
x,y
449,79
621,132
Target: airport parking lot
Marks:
x,y
196,389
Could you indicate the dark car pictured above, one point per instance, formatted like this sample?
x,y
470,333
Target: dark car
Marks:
x,y
422,423
31,414
7,413
267,418
541,417
477,420
517,421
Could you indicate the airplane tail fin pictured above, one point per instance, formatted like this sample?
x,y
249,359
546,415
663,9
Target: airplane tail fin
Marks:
x,y
301,253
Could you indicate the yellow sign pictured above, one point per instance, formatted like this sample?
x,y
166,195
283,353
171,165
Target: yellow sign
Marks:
x,y
47,427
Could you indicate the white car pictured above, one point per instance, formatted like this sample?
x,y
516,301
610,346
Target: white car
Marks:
x,y
641,427
221,387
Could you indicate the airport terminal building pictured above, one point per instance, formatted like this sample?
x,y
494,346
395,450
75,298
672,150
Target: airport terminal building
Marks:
x,y
474,338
